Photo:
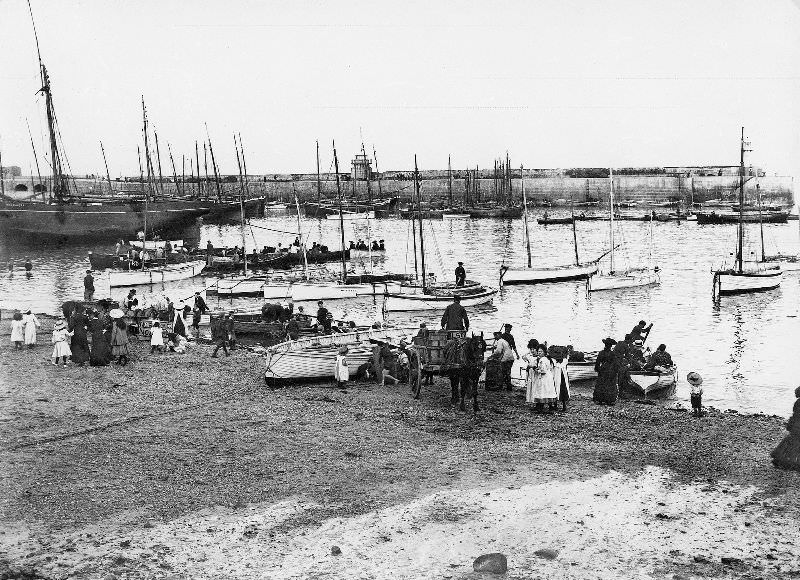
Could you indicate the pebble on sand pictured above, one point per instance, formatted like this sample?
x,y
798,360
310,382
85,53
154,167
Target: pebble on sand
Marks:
x,y
496,563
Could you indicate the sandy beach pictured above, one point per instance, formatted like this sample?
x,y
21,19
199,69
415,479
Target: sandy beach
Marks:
x,y
182,466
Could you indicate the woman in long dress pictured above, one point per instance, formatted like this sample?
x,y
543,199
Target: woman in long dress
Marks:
x,y
119,341
101,342
179,321
561,378
787,454
606,388
78,325
31,324
541,389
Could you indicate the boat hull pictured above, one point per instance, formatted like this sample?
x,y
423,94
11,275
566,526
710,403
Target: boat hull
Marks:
x,y
729,283
155,276
654,384
599,283
510,276
403,302
778,217
95,221
352,216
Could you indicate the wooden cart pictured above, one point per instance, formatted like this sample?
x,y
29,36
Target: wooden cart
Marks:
x,y
427,355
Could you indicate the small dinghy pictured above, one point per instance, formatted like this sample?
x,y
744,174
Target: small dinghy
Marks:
x,y
168,273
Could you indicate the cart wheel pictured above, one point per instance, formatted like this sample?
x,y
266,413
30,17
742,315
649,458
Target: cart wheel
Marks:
x,y
415,375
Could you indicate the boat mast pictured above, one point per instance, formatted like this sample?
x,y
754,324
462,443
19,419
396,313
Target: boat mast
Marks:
x,y
366,176
197,165
35,158
174,171
108,174
205,168
414,233
574,229
141,176
741,203
146,150
214,166
300,233
760,216
525,219
341,216
319,182
60,186
421,234
449,184
158,158
611,221
377,172
241,204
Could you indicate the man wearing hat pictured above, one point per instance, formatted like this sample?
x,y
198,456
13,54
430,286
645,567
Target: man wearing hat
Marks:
x,y
322,317
606,389
455,316
503,353
696,396
461,274
88,286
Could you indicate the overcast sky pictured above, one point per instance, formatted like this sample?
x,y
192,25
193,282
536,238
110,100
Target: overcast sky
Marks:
x,y
557,84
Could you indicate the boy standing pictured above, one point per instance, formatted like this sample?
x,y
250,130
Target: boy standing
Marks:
x,y
695,380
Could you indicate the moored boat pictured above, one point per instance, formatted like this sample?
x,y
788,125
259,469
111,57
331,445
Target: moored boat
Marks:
x,y
408,302
736,282
510,275
168,273
352,215
455,216
628,279
654,384
155,244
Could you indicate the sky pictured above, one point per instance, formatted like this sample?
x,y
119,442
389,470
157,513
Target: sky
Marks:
x,y
563,83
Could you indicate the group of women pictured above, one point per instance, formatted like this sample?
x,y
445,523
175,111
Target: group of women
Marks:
x,y
547,383
109,335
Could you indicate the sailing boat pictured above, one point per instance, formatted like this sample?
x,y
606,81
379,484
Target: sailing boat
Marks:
x,y
530,275
737,280
630,278
431,295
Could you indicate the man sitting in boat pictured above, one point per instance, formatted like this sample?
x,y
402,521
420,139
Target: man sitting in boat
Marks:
x,y
660,360
636,358
455,316
461,274
381,247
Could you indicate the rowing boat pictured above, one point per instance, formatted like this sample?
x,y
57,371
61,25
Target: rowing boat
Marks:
x,y
168,273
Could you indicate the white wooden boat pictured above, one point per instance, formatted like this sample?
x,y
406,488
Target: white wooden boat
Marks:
x,y
352,215
275,206
785,263
306,291
455,216
581,371
361,254
406,302
630,279
655,384
735,282
169,273
314,358
155,244
241,286
511,275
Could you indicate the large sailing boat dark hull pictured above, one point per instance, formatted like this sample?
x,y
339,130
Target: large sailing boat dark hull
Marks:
x,y
231,210
111,220
314,209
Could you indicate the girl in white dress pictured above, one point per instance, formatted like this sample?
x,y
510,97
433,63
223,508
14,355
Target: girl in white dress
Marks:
x,y
31,324
341,373
60,341
17,330
156,338
540,385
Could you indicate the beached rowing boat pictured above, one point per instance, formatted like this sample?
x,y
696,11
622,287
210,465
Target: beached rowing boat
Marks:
x,y
168,273
314,358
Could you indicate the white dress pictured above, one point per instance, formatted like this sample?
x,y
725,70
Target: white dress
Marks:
x,y
61,345
540,385
341,372
559,370
17,331
31,324
156,336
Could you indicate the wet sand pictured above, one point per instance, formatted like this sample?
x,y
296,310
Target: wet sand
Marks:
x,y
187,466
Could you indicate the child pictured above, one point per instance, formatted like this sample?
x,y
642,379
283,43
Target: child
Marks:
x,y
341,373
61,347
695,380
156,338
119,340
17,330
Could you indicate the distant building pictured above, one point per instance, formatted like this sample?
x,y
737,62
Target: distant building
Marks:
x,y
12,171
362,168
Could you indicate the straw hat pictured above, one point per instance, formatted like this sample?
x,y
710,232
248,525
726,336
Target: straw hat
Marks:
x,y
694,379
609,341
116,313
59,325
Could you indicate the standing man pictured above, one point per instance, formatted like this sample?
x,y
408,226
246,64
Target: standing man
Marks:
x,y
322,317
28,265
219,334
510,339
199,309
503,353
88,286
455,316
461,274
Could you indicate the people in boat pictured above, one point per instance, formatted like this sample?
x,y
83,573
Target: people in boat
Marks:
x,y
455,316
352,245
296,242
131,301
28,264
118,247
167,247
660,359
375,247
640,331
381,247
322,316
461,274
423,331
606,389
293,328
635,355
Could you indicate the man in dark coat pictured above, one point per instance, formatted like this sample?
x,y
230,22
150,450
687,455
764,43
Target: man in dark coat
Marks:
x,y
461,274
88,286
455,316
322,317
640,331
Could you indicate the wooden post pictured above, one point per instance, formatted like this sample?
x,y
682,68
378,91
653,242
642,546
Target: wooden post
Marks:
x,y
421,233
377,172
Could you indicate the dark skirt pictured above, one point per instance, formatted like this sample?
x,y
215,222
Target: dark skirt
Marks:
x,y
80,348
606,389
563,393
101,350
787,454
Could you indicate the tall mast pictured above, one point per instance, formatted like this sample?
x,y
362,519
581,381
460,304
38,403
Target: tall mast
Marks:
x,y
241,204
244,167
141,176
341,216
183,174
108,174
197,164
611,221
421,233
377,172
366,175
449,183
174,171
525,219
147,162
36,158
158,158
214,166
205,168
60,184
574,230
760,216
319,182
300,231
414,231
741,203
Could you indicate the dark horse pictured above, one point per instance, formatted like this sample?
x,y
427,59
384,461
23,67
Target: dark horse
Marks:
x,y
463,366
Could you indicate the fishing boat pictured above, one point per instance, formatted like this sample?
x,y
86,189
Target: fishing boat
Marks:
x,y
169,273
361,254
424,295
629,278
775,217
546,220
231,208
314,358
155,244
456,216
122,261
530,275
352,215
741,280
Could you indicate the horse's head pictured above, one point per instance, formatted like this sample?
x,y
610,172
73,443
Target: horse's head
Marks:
x,y
476,347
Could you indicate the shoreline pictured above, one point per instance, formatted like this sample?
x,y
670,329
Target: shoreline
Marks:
x,y
141,462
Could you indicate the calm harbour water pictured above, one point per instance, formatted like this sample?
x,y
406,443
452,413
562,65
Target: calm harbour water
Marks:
x,y
743,346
